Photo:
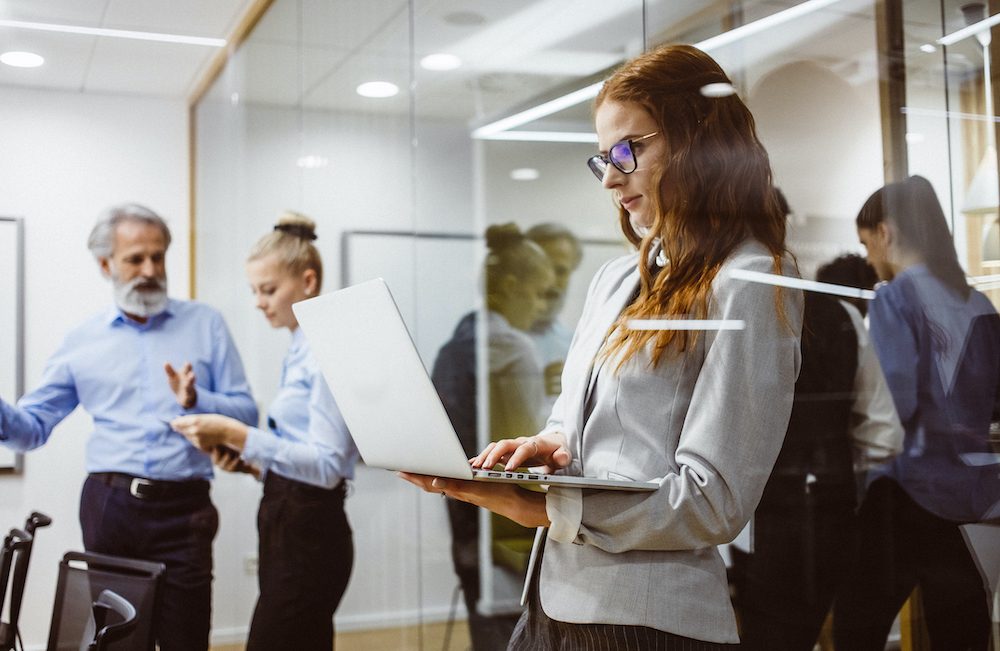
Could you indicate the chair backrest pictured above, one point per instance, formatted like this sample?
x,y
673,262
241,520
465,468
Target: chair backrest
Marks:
x,y
13,570
82,578
114,619
18,579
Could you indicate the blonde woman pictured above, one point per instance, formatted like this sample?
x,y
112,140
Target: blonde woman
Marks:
x,y
305,457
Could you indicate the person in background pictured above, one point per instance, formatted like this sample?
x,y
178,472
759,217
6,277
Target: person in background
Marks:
x,y
518,280
805,522
134,367
875,428
645,401
938,341
551,337
305,456
850,270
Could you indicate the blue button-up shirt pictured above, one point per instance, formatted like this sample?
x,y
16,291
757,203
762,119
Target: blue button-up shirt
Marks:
x,y
307,438
113,367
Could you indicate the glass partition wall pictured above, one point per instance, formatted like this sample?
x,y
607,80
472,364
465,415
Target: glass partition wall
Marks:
x,y
406,128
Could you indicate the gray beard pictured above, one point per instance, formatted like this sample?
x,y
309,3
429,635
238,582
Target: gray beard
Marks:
x,y
140,302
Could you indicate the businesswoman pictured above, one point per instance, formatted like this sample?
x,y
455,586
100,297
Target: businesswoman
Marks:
x,y
938,341
305,456
701,412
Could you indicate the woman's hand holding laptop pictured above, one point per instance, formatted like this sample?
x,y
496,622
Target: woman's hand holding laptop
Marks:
x,y
523,506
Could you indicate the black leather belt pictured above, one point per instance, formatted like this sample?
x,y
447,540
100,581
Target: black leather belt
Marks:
x,y
151,489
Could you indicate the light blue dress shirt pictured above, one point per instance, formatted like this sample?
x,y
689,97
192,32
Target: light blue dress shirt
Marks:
x,y
307,439
113,367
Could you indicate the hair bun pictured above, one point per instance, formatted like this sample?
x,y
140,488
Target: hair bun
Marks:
x,y
502,236
297,225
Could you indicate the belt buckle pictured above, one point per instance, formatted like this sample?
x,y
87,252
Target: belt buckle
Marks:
x,y
135,488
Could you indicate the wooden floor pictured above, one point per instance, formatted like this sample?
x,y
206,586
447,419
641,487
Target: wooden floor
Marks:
x,y
429,637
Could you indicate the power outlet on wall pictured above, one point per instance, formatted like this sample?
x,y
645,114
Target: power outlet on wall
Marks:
x,y
250,564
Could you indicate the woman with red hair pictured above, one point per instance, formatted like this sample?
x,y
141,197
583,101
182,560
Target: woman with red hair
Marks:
x,y
681,372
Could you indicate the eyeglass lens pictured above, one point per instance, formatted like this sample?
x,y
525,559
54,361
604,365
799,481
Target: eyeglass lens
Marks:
x,y
620,155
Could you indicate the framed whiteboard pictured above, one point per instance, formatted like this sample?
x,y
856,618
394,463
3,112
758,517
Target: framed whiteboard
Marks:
x,y
11,323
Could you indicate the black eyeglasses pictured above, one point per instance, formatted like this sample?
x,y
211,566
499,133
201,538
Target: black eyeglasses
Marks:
x,y
621,155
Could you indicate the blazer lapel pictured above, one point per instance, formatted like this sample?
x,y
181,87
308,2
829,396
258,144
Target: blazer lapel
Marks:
x,y
596,330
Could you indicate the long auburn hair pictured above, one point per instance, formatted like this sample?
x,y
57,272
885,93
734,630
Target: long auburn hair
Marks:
x,y
715,191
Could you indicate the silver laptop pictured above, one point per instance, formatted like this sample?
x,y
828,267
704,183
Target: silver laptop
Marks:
x,y
385,395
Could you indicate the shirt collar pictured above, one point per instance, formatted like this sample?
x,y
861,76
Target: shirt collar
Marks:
x,y
298,340
115,315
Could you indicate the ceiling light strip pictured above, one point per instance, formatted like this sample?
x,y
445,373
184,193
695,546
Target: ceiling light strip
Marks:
x,y
589,92
767,22
115,33
539,111
543,136
801,283
971,30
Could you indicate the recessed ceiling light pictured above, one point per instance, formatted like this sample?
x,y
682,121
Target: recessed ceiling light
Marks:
x,y
22,59
377,89
524,174
928,48
440,61
312,162
718,89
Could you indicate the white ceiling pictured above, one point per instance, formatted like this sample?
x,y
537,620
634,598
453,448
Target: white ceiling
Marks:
x,y
314,53
101,64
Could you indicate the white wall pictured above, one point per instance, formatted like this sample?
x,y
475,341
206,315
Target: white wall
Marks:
x,y
64,158
823,135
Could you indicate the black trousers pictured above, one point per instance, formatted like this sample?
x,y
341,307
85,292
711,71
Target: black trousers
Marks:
x,y
306,552
901,546
801,555
174,530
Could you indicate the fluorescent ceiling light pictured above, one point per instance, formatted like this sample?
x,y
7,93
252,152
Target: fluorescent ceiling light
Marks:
x,y
540,111
544,136
115,33
971,30
958,115
440,61
767,22
491,130
378,89
800,283
22,59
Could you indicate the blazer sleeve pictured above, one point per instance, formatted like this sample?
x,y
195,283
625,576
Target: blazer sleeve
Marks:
x,y
732,432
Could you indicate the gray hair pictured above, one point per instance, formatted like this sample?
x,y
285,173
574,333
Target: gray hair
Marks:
x,y
102,238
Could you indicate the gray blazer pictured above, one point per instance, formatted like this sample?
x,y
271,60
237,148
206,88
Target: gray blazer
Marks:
x,y
707,425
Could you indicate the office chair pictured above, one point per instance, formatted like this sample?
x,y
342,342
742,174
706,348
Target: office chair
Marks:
x,y
13,569
18,576
83,577
110,603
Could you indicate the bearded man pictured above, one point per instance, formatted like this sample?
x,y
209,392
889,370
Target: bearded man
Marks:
x,y
134,367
